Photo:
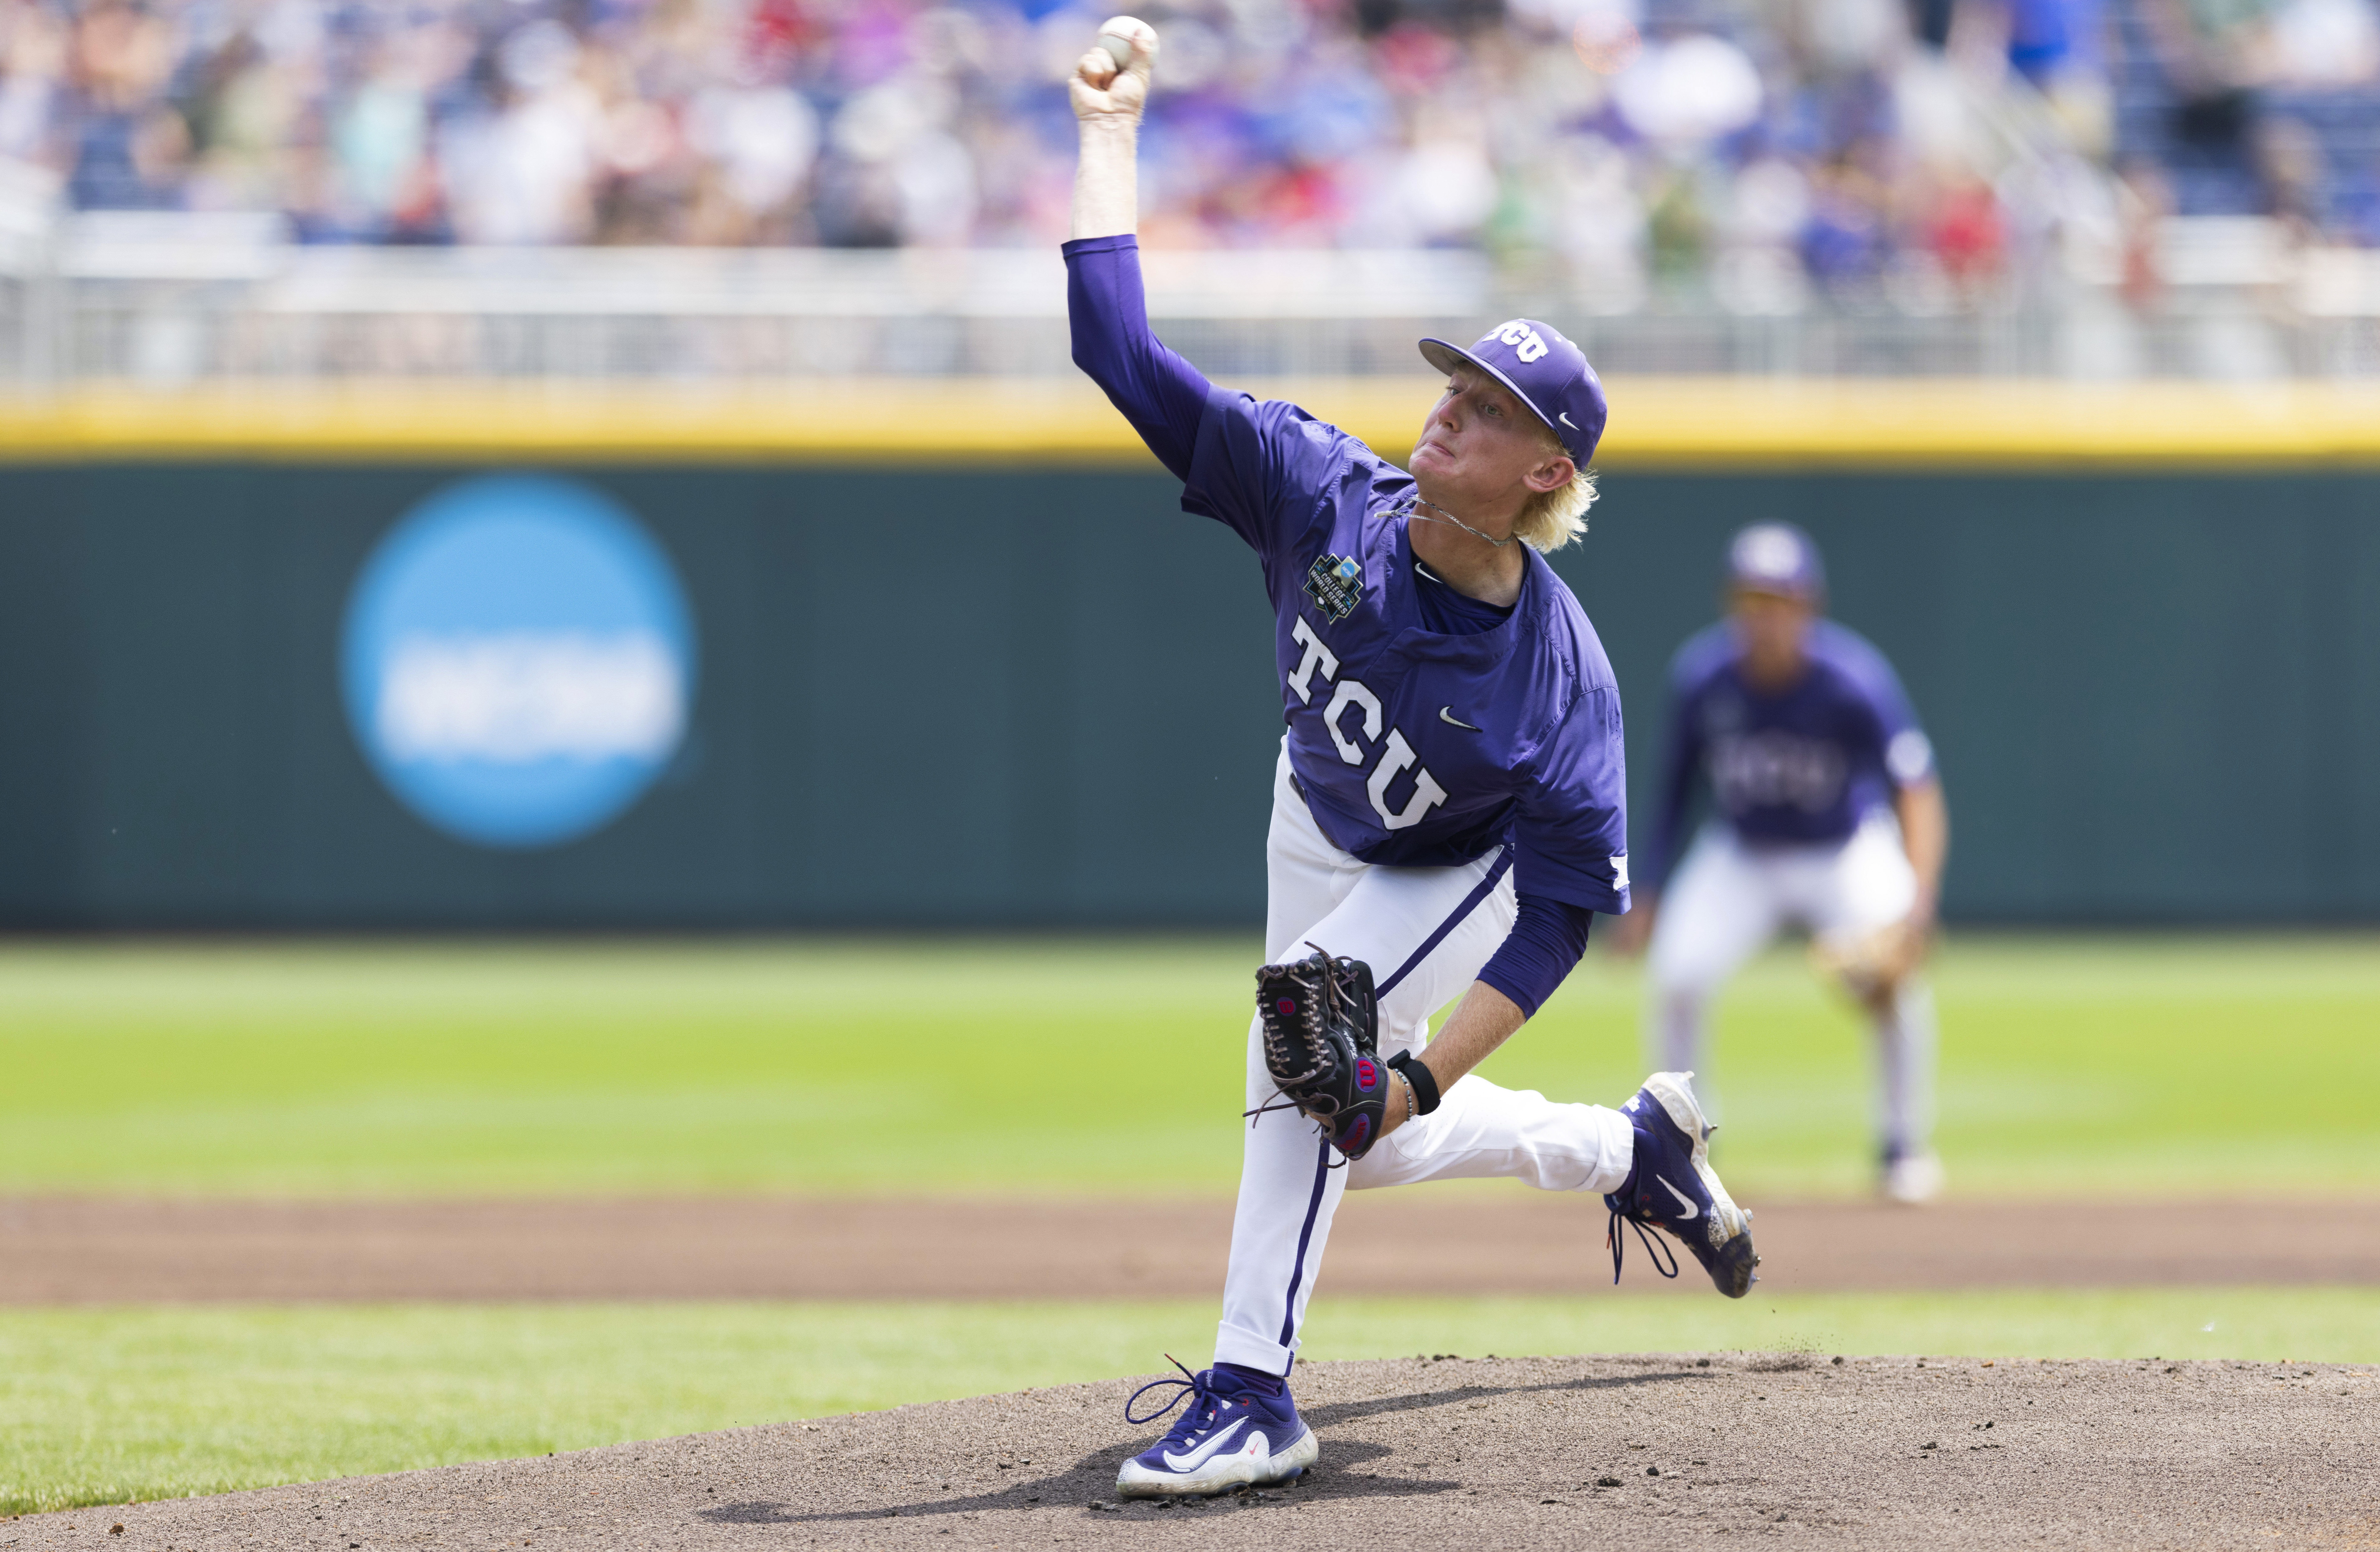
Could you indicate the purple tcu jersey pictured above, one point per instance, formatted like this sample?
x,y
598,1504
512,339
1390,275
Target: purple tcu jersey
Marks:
x,y
1415,749
1806,765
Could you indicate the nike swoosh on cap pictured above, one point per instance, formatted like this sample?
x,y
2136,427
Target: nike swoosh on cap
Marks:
x,y
1567,420
1446,714
1684,1200
1197,1456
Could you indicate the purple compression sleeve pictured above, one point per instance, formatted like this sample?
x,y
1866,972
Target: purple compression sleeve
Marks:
x,y
1546,940
1160,392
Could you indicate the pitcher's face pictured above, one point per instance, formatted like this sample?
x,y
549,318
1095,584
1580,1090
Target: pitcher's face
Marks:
x,y
1479,441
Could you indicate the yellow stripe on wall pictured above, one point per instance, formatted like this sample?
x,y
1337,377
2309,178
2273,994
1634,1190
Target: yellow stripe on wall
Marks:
x,y
1675,422
1657,422
878,421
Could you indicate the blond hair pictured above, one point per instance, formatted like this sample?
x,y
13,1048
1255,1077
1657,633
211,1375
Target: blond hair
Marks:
x,y
1552,518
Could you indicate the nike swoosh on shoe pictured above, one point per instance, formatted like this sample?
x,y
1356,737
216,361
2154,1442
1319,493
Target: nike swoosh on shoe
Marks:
x,y
1199,1457
1684,1200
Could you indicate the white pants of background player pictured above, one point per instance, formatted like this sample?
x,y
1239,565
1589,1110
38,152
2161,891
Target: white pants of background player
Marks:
x,y
1425,932
1729,898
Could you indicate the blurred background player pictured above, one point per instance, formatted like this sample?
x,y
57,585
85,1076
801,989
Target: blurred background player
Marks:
x,y
1826,815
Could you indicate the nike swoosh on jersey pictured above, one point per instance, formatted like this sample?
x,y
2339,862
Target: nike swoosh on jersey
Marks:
x,y
1446,714
1197,1456
1684,1200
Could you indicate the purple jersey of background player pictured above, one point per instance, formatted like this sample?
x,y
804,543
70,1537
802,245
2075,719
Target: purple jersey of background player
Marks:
x,y
1425,728
1806,765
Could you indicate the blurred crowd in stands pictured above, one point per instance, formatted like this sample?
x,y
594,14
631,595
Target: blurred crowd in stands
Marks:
x,y
1763,151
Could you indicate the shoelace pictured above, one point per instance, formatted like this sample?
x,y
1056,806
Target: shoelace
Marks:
x,y
1288,1104
1189,1388
1654,1248
1269,1107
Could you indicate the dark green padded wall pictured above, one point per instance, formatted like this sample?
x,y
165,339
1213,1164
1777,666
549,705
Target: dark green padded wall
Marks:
x,y
1043,697
2155,699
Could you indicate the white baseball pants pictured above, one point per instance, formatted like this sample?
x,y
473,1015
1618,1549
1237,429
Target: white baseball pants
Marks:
x,y
1729,898
1427,932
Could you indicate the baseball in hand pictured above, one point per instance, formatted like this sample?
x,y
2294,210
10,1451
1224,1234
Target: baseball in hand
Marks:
x,y
1106,84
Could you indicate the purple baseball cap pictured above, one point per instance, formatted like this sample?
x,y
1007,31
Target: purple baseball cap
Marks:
x,y
1545,371
1777,558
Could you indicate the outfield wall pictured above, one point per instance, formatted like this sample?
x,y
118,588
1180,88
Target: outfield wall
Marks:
x,y
1004,682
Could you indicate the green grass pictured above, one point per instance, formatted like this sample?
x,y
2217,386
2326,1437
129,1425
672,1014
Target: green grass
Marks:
x,y
104,1406
2147,1066
2070,1065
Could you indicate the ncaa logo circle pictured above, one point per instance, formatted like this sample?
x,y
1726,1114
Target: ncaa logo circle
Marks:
x,y
519,660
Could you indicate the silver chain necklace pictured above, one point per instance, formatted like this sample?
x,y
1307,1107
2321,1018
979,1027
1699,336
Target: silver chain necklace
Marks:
x,y
1415,500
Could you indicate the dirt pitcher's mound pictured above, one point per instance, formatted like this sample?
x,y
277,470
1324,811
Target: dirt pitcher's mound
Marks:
x,y
1553,1452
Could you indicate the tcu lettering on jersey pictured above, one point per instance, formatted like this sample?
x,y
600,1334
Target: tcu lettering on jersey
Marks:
x,y
1353,719
1772,768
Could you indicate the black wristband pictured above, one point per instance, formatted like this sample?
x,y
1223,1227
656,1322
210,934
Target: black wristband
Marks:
x,y
1424,1085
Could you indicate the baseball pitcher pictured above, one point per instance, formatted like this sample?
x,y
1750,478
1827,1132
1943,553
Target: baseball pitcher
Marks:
x,y
1448,809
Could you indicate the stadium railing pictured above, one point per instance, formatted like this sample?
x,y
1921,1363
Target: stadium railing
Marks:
x,y
171,299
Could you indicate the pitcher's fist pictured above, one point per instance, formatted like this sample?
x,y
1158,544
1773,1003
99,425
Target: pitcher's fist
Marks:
x,y
1112,79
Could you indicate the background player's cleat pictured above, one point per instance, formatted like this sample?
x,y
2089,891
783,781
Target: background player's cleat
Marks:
x,y
1227,1436
1674,1188
1910,1179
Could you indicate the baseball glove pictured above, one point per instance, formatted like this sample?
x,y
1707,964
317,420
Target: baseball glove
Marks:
x,y
1321,1045
1868,964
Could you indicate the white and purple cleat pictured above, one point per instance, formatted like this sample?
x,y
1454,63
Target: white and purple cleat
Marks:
x,y
1674,1188
1230,1435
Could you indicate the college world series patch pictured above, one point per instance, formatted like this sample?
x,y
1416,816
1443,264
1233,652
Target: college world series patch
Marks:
x,y
1335,583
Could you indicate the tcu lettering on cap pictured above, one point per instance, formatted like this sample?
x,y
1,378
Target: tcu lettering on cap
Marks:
x,y
1526,342
1547,372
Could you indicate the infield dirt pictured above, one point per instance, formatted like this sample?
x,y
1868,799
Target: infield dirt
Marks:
x,y
65,1250
1790,1449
